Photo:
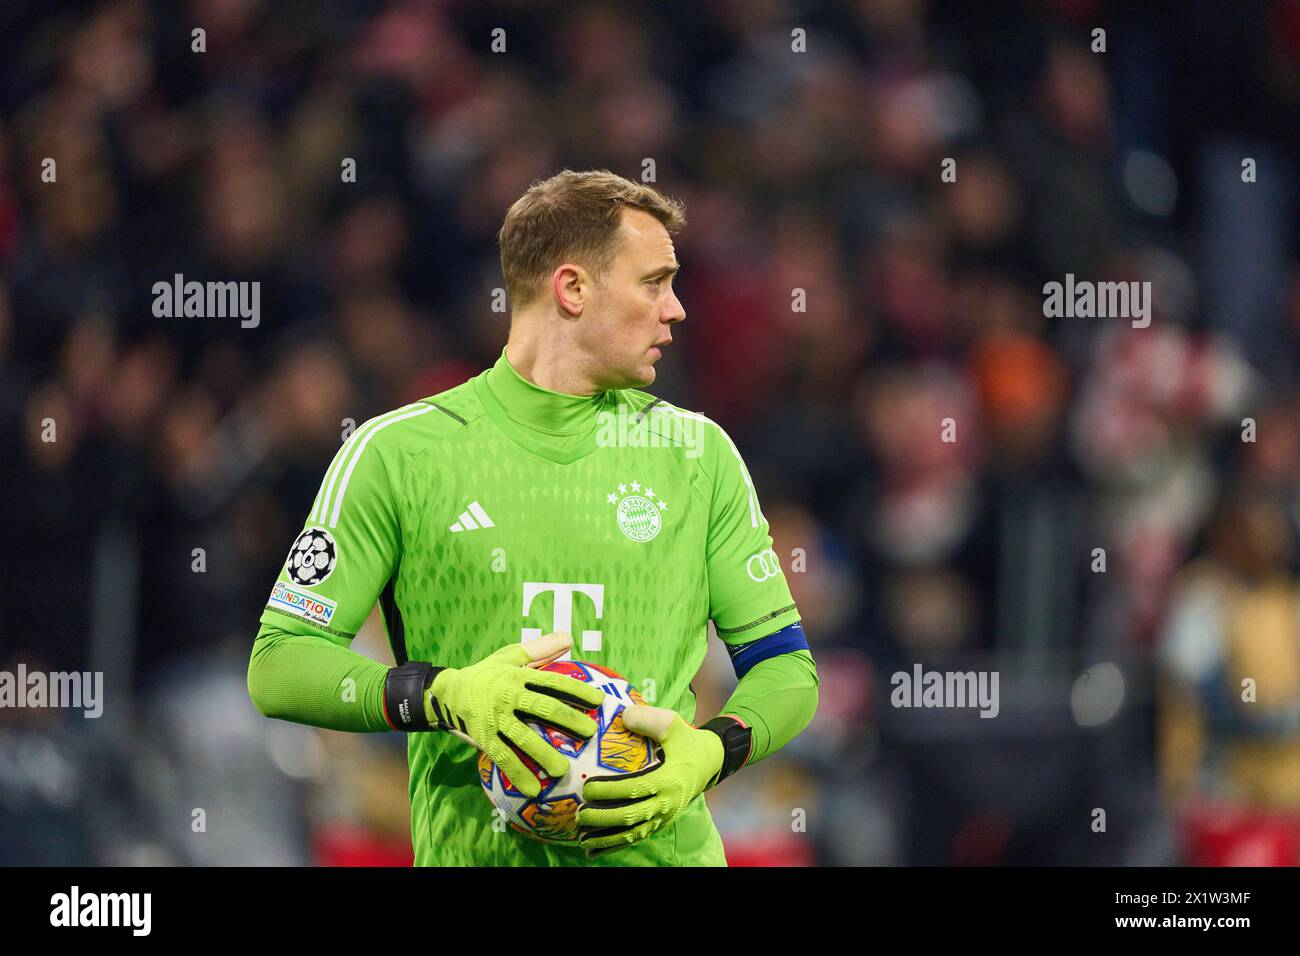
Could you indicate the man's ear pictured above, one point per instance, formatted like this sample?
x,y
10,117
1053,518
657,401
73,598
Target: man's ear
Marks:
x,y
571,283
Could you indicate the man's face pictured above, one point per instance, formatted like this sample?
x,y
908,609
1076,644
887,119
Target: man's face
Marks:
x,y
628,317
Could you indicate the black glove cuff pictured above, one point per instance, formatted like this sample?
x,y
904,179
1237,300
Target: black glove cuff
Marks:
x,y
737,740
404,695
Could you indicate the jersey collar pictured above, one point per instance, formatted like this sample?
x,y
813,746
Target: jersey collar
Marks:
x,y
555,425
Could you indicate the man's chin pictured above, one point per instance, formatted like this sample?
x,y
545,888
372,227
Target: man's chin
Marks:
x,y
636,377
646,376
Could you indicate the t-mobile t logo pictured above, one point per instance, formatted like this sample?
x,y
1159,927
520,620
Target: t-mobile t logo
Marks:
x,y
562,614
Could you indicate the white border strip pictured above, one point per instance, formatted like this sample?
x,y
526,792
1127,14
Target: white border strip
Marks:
x,y
361,447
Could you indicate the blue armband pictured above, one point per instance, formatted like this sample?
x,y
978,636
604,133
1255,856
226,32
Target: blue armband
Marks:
x,y
745,656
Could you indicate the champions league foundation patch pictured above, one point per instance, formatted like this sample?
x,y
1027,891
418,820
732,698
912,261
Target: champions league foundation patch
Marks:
x,y
309,607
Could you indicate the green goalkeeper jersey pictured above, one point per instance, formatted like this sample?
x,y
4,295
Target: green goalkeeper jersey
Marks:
x,y
500,511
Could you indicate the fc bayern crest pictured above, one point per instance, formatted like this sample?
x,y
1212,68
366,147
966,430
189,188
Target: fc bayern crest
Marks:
x,y
312,558
639,513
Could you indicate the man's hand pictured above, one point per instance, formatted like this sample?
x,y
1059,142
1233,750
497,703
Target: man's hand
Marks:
x,y
487,704
619,811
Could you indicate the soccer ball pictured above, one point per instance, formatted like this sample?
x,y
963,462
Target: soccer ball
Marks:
x,y
552,816
312,557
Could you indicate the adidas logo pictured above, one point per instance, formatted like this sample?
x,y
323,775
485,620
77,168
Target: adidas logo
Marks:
x,y
472,518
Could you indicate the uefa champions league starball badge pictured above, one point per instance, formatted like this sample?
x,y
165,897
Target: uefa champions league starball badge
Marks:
x,y
312,557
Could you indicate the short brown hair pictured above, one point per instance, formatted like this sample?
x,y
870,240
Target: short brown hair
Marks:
x,y
572,216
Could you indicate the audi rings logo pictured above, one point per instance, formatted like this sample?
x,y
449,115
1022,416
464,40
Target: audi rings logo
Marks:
x,y
763,565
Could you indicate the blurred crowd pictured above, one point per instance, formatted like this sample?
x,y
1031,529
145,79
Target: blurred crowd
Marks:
x,y
1107,519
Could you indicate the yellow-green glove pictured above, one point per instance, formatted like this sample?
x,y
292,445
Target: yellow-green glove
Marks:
x,y
619,811
487,704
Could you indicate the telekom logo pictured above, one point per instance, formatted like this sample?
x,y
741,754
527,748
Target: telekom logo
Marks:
x,y
562,615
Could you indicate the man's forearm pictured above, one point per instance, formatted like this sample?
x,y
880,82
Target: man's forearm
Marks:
x,y
311,680
777,699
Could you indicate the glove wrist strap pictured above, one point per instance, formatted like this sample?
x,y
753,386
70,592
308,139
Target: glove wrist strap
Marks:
x,y
736,744
404,690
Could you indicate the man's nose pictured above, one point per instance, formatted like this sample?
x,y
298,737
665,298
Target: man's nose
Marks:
x,y
674,312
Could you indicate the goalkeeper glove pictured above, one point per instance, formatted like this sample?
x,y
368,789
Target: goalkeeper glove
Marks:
x,y
488,703
619,811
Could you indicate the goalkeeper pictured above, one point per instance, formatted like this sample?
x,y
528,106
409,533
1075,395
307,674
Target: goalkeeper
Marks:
x,y
547,496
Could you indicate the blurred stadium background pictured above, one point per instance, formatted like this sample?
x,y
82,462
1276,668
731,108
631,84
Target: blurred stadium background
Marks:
x,y
816,170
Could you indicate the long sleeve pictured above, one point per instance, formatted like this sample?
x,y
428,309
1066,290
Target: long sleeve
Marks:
x,y
309,679
777,698
302,668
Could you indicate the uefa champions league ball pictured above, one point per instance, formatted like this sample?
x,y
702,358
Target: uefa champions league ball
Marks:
x,y
552,816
